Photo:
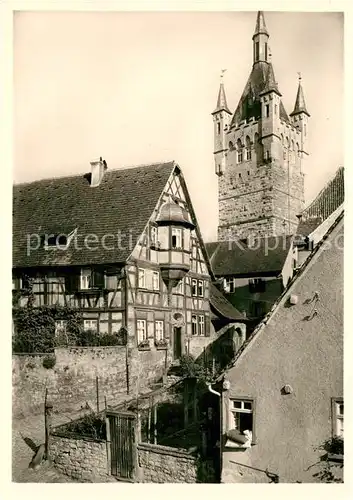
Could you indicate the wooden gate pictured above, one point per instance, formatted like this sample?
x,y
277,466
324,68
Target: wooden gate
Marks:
x,y
121,429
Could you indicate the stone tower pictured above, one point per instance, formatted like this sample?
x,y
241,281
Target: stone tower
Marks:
x,y
259,153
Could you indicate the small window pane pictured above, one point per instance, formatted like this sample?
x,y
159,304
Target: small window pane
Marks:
x,y
237,404
247,405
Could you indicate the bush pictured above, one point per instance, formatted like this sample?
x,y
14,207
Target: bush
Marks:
x,y
49,362
90,425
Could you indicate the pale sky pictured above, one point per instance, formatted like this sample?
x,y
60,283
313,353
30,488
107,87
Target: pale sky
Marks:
x,y
140,88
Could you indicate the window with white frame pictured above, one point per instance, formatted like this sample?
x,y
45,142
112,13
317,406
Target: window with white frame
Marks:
x,y
90,324
229,285
194,288
201,325
337,417
241,415
155,280
159,330
141,330
176,237
142,278
248,154
194,324
85,279
60,327
153,236
200,288
180,287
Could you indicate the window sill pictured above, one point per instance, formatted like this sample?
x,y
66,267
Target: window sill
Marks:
x,y
331,457
161,347
144,348
236,446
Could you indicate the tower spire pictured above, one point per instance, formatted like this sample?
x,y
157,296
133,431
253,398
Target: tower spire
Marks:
x,y
222,100
260,39
299,106
260,27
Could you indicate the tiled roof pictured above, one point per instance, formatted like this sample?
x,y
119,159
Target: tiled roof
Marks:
x,y
222,305
306,227
329,198
237,258
121,205
249,105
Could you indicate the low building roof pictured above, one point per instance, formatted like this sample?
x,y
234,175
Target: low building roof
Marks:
x,y
239,258
223,307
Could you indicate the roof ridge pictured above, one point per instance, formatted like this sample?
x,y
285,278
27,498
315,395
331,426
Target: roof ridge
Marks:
x,y
120,169
280,298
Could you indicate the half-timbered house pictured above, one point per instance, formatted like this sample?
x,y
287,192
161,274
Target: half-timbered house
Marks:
x,y
124,247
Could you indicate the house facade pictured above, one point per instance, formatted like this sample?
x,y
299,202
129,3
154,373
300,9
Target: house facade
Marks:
x,y
253,272
283,396
123,247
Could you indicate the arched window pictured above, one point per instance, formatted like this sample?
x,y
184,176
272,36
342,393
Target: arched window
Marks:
x,y
304,129
282,139
293,148
267,155
287,143
230,146
276,109
248,147
239,151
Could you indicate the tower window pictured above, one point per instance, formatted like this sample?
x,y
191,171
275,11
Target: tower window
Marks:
x,y
267,110
248,154
267,155
305,129
240,156
218,128
275,109
231,145
257,51
266,51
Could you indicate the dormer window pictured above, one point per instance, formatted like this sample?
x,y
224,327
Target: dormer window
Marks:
x,y
60,241
176,237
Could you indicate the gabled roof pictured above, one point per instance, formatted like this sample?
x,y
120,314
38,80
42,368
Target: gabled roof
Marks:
x,y
121,205
237,258
329,198
249,104
223,307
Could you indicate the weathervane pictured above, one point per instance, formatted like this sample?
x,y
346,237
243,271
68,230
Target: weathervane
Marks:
x,y
299,75
222,73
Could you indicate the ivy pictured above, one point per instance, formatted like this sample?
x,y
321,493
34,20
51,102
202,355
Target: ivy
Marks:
x,y
190,368
328,472
35,330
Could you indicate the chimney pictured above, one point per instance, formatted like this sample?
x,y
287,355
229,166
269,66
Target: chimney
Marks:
x,y
98,168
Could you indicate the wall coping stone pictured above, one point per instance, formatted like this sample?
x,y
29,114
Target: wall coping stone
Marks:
x,y
76,437
166,450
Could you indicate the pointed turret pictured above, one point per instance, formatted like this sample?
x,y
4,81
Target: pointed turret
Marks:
x,y
260,39
300,106
221,119
260,27
222,100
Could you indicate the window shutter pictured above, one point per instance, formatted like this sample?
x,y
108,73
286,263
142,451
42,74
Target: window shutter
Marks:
x,y
97,279
207,326
71,283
